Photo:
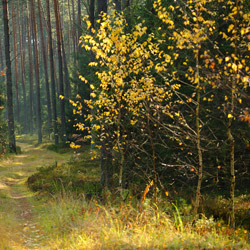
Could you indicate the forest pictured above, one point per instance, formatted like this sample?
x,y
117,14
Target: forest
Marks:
x,y
124,124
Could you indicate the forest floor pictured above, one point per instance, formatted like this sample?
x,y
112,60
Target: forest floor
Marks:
x,y
19,227
69,221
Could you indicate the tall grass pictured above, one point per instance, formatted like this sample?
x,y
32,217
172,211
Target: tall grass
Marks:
x,y
70,223
67,220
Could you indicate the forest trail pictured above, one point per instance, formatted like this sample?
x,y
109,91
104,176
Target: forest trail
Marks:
x,y
18,226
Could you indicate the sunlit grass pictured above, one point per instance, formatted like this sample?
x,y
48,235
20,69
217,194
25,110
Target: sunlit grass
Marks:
x,y
14,171
69,220
77,224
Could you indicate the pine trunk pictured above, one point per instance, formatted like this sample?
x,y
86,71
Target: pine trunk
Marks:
x,y
31,79
52,73
45,65
1,61
60,62
13,13
65,68
11,131
21,48
38,99
73,26
92,12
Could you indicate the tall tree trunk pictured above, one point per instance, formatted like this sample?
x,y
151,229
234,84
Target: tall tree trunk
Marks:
x,y
21,48
102,6
79,23
34,70
234,83
60,62
31,93
232,143
1,60
55,53
65,66
11,131
106,150
15,61
73,26
198,137
38,99
68,31
66,72
31,79
92,13
118,6
52,73
45,64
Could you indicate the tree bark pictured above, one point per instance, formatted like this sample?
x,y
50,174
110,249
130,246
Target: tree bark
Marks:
x,y
232,171
60,62
73,26
31,79
118,5
15,61
52,73
198,138
106,150
21,48
45,65
79,23
11,131
92,13
38,99
1,60
102,6
65,68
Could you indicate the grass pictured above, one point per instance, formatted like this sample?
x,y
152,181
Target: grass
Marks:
x,y
79,224
70,214
71,220
14,171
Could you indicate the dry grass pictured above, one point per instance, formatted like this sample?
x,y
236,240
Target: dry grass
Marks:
x,y
66,222
77,224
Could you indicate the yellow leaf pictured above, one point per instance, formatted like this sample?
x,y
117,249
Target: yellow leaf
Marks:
x,y
88,24
230,116
231,26
234,67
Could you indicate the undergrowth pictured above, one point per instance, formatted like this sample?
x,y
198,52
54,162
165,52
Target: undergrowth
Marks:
x,y
81,224
78,175
76,216
74,213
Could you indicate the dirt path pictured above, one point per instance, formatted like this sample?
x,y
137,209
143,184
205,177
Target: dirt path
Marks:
x,y
18,226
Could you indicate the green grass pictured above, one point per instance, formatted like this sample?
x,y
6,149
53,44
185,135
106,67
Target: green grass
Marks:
x,y
80,224
73,221
78,175
70,214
